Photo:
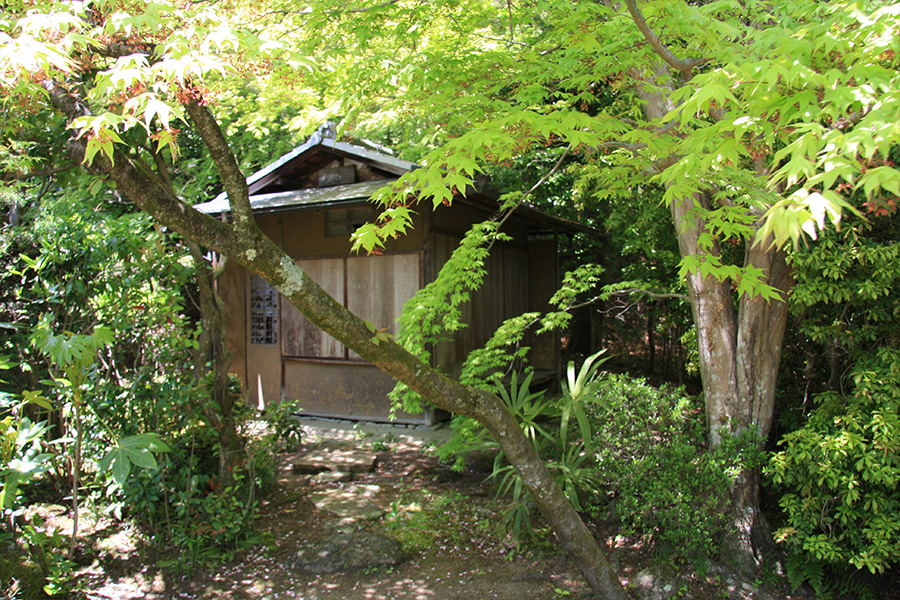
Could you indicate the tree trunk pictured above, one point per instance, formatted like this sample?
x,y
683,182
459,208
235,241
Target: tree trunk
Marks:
x,y
739,348
243,242
760,334
739,357
715,320
213,358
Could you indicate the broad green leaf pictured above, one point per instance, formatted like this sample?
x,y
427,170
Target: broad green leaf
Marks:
x,y
134,450
36,397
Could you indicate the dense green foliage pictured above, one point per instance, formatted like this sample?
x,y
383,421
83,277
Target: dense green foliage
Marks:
x,y
838,476
182,504
623,450
642,313
128,411
836,472
652,460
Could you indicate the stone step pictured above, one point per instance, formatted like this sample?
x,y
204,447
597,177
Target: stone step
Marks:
x,y
345,552
331,477
348,460
351,502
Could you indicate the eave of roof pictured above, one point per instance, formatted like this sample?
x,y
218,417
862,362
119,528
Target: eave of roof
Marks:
x,y
383,161
355,192
311,197
545,221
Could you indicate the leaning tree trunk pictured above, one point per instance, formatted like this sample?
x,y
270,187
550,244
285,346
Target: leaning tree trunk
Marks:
x,y
243,242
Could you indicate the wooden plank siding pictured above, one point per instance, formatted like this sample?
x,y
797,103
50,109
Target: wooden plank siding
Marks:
x,y
503,295
379,286
375,288
343,390
543,277
327,378
299,337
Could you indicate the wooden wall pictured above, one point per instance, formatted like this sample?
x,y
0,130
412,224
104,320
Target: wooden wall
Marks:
x,y
357,391
379,286
504,295
522,276
375,288
543,281
299,337
328,378
303,234
331,380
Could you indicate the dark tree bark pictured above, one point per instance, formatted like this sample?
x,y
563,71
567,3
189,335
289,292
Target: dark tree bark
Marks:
x,y
243,242
212,360
211,357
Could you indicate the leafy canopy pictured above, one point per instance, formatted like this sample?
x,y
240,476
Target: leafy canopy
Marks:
x,y
788,110
785,110
137,61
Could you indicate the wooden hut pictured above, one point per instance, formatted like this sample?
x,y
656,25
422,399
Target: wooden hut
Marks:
x,y
309,201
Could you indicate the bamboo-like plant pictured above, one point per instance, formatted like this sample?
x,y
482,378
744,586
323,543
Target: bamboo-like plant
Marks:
x,y
569,457
577,390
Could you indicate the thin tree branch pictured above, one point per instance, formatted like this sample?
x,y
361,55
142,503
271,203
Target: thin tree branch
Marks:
x,y
622,146
685,67
118,50
655,295
34,174
658,131
540,182
665,162
624,292
233,179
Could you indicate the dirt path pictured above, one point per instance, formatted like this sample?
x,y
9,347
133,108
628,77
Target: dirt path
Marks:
x,y
447,522
449,525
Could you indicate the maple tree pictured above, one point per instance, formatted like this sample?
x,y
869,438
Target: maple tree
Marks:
x,y
755,118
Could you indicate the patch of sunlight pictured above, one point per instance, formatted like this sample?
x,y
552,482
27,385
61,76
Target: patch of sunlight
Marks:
x,y
133,587
404,589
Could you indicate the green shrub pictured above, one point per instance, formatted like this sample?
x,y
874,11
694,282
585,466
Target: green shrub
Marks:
x,y
651,456
838,478
183,504
286,429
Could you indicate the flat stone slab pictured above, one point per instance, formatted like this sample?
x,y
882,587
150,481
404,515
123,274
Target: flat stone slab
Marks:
x,y
348,460
349,502
348,552
331,477
654,584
